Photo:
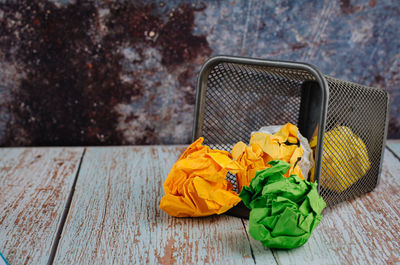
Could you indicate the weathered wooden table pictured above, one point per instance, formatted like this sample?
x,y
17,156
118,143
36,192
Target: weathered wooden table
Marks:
x,y
99,205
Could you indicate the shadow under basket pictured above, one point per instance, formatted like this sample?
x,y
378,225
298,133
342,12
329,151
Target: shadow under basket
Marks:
x,y
236,96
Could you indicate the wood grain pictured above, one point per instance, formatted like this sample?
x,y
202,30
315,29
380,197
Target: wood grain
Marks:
x,y
115,217
362,231
394,146
34,186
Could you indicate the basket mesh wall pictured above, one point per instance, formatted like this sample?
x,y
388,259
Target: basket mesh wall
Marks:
x,y
363,110
241,98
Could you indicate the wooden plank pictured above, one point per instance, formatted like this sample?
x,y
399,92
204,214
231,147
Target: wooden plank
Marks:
x,y
362,231
115,217
34,187
394,146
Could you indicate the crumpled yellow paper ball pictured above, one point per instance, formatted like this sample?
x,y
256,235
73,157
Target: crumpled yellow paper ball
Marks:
x,y
283,145
263,148
344,159
307,160
196,185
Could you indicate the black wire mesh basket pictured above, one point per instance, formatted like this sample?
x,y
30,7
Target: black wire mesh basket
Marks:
x,y
236,96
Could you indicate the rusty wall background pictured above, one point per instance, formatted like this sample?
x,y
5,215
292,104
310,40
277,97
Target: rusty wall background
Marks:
x,y
124,72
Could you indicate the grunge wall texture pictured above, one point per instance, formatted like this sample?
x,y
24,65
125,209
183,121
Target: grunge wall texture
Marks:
x,y
124,72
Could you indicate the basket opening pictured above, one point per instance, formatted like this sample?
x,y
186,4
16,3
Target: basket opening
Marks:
x,y
240,99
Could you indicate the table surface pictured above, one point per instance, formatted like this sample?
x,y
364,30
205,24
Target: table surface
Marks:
x,y
100,205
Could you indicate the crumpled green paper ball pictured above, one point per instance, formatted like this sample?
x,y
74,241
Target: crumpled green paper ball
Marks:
x,y
284,211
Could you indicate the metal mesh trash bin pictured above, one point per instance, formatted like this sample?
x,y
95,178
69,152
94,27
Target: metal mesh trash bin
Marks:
x,y
236,96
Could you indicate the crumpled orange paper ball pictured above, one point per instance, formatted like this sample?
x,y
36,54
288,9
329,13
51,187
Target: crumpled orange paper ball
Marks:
x,y
196,185
263,148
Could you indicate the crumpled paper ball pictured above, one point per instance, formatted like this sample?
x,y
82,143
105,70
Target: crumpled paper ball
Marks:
x,y
196,185
307,160
251,159
284,211
284,144
344,159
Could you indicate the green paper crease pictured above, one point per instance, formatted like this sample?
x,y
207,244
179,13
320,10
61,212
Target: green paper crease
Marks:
x,y
283,211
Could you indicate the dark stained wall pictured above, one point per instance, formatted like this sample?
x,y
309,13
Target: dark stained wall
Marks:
x,y
124,72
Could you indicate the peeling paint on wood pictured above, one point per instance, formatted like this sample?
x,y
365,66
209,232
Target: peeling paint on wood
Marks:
x,y
34,186
115,216
364,230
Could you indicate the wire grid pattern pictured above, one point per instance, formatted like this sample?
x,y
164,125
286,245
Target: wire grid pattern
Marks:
x,y
243,98
363,110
